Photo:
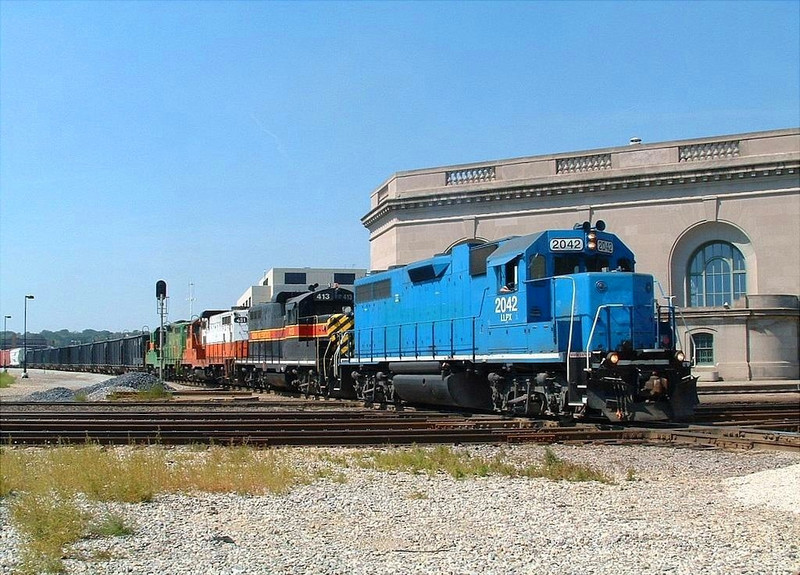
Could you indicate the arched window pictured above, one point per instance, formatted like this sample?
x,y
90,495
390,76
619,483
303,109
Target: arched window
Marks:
x,y
716,275
703,349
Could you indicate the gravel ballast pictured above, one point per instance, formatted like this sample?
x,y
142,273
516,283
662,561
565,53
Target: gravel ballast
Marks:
x,y
675,511
133,381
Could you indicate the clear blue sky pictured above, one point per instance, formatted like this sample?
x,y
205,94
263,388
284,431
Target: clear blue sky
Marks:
x,y
209,141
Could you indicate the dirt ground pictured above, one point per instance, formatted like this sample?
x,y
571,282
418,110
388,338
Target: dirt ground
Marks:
x,y
40,379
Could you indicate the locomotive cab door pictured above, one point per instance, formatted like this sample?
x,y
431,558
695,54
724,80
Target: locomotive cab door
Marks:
x,y
506,305
538,290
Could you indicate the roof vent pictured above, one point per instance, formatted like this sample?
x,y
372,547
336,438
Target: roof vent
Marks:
x,y
635,141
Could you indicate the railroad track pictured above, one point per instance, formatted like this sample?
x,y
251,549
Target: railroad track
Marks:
x,y
175,424
774,416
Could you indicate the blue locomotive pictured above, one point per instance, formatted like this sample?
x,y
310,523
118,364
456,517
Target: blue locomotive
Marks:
x,y
556,323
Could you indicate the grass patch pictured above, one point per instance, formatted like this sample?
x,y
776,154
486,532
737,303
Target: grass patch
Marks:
x,y
45,482
47,523
440,459
81,396
555,468
460,465
417,495
154,393
137,475
112,525
242,470
130,476
6,379
100,555
330,475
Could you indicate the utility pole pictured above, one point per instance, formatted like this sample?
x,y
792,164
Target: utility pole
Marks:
x,y
25,339
5,329
191,298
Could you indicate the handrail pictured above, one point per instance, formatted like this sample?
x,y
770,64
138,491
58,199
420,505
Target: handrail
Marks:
x,y
671,307
358,332
594,325
571,315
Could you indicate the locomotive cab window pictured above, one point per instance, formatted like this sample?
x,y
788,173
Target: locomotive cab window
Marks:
x,y
537,268
567,264
507,276
597,264
291,313
624,265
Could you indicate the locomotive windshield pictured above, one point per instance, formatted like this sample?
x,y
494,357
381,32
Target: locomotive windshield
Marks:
x,y
567,264
597,263
577,263
317,304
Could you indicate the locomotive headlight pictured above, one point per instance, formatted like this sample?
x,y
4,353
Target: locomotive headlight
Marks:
x,y
591,242
680,356
613,358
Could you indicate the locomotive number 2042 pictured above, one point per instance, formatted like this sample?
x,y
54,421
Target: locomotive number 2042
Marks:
x,y
505,306
566,244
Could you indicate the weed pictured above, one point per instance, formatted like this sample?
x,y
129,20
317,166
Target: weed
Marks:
x,y
242,470
95,555
416,495
12,470
112,525
47,523
330,475
81,396
152,393
441,459
630,475
336,459
48,480
555,468
461,465
6,379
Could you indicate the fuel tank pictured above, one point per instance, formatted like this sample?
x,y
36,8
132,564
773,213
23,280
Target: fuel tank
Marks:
x,y
466,390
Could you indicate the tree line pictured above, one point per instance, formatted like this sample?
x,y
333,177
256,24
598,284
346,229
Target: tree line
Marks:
x,y
62,337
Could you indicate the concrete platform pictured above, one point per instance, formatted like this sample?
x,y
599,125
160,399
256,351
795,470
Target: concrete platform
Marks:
x,y
765,386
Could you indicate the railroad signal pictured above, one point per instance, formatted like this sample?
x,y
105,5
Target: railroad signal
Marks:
x,y
161,289
161,297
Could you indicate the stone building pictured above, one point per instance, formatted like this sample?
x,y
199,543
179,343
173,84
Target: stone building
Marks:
x,y
716,220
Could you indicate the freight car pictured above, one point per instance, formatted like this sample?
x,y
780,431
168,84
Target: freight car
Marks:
x,y
554,323
112,356
12,357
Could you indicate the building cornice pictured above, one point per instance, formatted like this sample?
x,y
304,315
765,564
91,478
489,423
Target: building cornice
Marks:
x,y
756,154
719,315
682,174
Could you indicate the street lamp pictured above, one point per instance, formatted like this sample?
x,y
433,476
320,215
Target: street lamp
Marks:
x,y
25,339
5,323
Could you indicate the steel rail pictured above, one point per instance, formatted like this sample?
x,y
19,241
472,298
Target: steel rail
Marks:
x,y
69,424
